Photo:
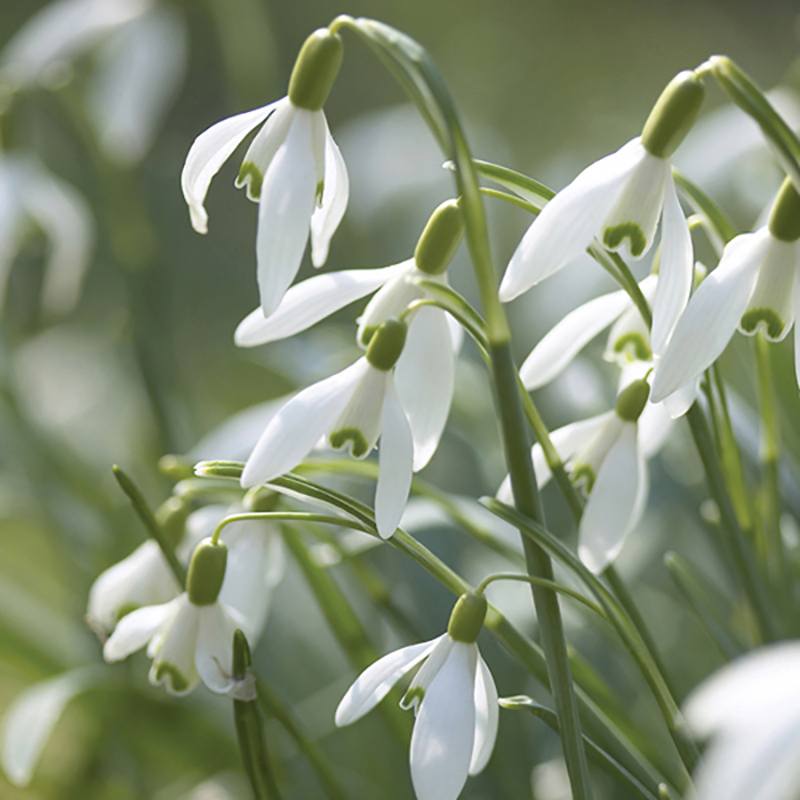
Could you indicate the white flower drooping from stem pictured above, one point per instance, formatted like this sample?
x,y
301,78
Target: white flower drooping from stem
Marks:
x,y
754,288
751,711
608,457
620,200
352,409
454,700
190,637
293,169
426,369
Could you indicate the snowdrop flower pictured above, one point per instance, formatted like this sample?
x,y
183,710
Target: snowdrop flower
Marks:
x,y
620,199
352,409
606,455
754,288
751,711
190,637
293,169
29,194
426,369
454,700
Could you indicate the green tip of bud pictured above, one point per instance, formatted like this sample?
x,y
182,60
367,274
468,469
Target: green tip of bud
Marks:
x,y
440,238
206,572
242,659
175,467
315,70
171,516
632,400
673,114
260,499
784,219
467,618
386,344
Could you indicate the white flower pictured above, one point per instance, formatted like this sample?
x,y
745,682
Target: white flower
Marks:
x,y
751,711
607,455
455,703
426,369
754,288
30,194
189,637
353,409
620,200
293,169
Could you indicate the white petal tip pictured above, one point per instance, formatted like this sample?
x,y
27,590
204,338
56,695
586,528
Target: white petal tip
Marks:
x,y
594,562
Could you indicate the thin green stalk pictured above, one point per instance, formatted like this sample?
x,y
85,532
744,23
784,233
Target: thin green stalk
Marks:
x,y
150,522
426,87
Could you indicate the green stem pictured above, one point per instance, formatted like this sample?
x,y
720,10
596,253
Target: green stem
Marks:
x,y
150,522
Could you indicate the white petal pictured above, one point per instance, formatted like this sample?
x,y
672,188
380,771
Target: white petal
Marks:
x,y
614,504
31,718
486,718
559,346
676,270
209,151
426,673
681,400
173,650
310,301
214,655
425,377
284,211
396,458
377,680
327,216
299,424
444,732
134,630
711,317
569,222
141,579
390,301
359,426
655,425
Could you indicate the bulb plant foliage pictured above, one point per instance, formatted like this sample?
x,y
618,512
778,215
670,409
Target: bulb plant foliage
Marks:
x,y
196,594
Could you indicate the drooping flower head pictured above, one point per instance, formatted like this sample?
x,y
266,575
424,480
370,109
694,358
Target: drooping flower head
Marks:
x,y
453,696
426,369
293,169
619,200
754,288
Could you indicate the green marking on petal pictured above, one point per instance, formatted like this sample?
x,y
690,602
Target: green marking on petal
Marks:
x,y
633,346
583,476
164,671
126,609
762,318
613,237
359,447
251,177
412,698
318,192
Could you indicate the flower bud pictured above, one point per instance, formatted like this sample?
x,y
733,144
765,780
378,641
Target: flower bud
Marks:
x,y
315,70
784,219
175,468
386,344
440,238
467,618
673,114
206,572
260,498
632,400
171,516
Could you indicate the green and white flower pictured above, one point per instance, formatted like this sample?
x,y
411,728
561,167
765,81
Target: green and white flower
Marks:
x,y
750,710
607,456
189,638
453,696
619,200
426,369
293,169
754,288
352,410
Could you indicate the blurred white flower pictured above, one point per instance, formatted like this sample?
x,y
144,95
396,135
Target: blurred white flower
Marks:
x,y
455,704
352,409
750,709
30,195
293,169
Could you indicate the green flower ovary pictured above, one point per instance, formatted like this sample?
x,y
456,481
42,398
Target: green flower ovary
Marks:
x,y
614,236
765,318
359,447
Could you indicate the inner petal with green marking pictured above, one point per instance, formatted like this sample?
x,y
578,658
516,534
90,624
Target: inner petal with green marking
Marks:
x,y
358,428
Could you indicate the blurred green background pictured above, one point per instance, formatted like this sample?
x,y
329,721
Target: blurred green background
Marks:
x,y
145,363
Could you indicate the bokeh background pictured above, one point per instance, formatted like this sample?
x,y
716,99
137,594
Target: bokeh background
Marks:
x,y
144,364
